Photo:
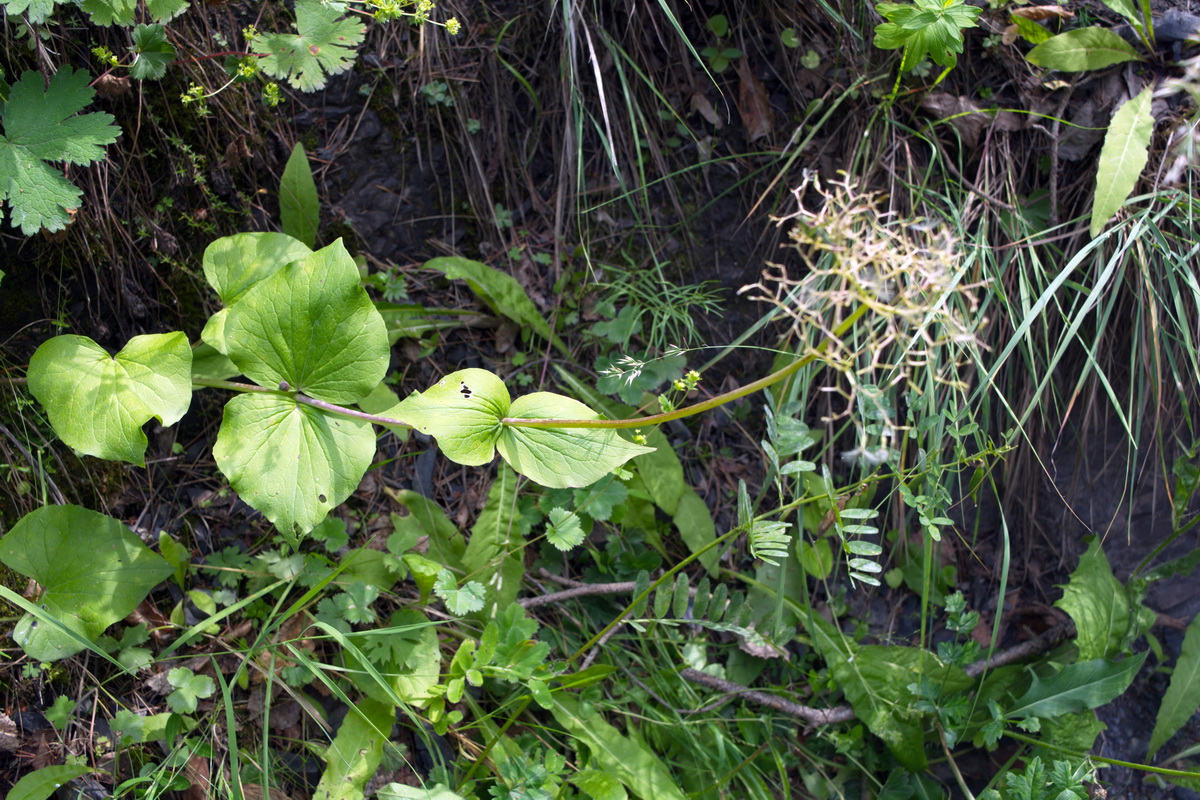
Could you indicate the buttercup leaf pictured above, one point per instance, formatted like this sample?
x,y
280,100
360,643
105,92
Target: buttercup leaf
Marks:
x,y
41,125
323,45
98,403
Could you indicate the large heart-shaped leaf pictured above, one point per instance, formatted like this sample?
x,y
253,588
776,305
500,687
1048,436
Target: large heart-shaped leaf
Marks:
x,y
98,403
92,569
291,461
462,411
310,327
234,264
562,457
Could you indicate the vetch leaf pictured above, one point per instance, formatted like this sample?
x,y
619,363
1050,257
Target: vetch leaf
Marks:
x,y
299,209
41,125
1183,694
561,458
310,327
98,403
1082,50
1122,157
499,291
152,52
291,461
92,569
323,45
1088,684
462,411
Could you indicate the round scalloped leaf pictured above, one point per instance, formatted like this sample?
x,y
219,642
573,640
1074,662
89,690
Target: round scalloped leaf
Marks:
x,y
561,458
234,264
291,461
312,326
92,569
462,411
98,403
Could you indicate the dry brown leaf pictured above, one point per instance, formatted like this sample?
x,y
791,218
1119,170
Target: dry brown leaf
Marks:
x,y
1043,12
701,105
197,773
10,740
754,106
969,118
1010,35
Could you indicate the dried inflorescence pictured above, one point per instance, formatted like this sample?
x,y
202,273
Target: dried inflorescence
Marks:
x,y
922,307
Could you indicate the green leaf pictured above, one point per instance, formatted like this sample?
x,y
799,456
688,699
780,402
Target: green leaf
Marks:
x,y
415,668
1183,694
500,292
59,713
400,791
1099,605
598,785
1122,157
356,751
43,783
459,601
930,28
694,522
626,759
166,10
41,125
310,327
152,52
1081,50
462,411
560,458
564,530
495,551
600,499
98,403
299,209
189,689
426,518
109,12
662,472
1088,684
292,462
816,558
875,680
323,45
35,10
234,264
92,569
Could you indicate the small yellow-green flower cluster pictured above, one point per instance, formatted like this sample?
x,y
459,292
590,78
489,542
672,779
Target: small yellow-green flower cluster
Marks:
x,y
196,97
104,56
271,95
688,382
453,26
249,33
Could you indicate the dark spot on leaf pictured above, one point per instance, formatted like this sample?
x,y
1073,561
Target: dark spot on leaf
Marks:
x,y
321,497
465,390
312,48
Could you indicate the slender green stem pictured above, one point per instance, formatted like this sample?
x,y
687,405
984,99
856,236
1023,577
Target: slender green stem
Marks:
x,y
697,408
1176,773
519,422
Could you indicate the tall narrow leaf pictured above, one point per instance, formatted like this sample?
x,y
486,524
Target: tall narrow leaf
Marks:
x,y
1123,157
495,552
1183,695
1082,50
356,751
299,209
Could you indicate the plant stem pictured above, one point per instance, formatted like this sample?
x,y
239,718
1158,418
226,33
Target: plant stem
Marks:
x,y
521,422
697,408
1176,773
